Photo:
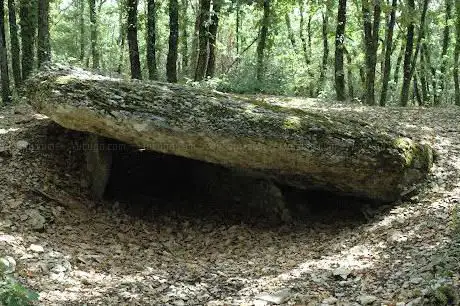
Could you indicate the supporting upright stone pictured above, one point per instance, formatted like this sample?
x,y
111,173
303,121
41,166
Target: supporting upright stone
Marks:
x,y
98,164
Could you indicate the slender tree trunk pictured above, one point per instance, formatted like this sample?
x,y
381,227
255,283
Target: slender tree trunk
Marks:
x,y
94,34
184,36
28,23
371,37
417,95
151,40
301,33
262,41
413,59
351,90
423,76
44,45
398,64
431,68
171,63
388,52
291,36
81,9
213,27
6,96
131,6
408,56
237,29
203,40
122,34
14,40
457,55
445,46
325,27
195,45
339,49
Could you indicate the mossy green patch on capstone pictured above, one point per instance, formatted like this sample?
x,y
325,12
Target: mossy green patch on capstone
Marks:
x,y
408,148
64,79
292,123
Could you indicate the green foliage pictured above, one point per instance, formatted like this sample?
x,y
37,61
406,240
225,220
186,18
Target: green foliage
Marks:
x,y
12,293
442,296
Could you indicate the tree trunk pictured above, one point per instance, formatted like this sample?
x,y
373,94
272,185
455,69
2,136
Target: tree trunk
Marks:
x,y
94,35
351,90
203,40
388,52
445,47
237,28
291,37
418,97
171,62
408,56
131,6
262,42
211,66
398,64
28,23
423,76
195,46
151,40
457,55
44,45
14,40
301,34
323,70
6,96
122,34
339,49
184,36
371,37
81,11
413,64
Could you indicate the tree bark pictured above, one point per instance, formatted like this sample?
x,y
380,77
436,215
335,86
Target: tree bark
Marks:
x,y
28,23
351,90
6,95
44,45
445,47
339,50
203,40
81,11
301,33
14,40
171,62
398,64
325,29
408,56
122,35
262,42
457,55
413,64
151,40
291,36
371,37
94,35
213,27
184,37
302,148
388,52
135,63
195,46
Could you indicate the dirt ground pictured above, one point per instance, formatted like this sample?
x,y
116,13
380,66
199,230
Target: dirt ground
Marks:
x,y
73,251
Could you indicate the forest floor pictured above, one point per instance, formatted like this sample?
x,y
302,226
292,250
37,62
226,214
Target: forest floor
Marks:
x,y
73,252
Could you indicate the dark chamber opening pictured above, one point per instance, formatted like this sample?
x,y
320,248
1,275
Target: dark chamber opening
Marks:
x,y
149,184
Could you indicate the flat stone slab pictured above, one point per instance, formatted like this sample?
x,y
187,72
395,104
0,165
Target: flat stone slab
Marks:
x,y
302,148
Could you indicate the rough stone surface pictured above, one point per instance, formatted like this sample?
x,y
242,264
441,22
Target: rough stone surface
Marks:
x,y
303,148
